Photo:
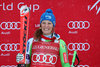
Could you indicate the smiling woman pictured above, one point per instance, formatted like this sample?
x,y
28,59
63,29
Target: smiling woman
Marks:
x,y
46,27
44,49
47,24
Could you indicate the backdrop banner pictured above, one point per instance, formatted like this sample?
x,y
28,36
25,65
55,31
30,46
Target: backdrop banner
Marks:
x,y
77,23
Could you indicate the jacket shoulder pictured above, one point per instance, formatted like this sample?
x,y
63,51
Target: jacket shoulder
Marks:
x,y
31,39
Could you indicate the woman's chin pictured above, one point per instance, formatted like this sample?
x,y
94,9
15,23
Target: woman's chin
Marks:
x,y
46,33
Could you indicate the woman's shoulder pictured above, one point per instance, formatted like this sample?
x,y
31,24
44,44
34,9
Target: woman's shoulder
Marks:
x,y
58,39
56,35
30,39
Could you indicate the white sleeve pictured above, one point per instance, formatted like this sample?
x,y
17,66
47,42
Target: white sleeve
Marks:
x,y
29,46
28,50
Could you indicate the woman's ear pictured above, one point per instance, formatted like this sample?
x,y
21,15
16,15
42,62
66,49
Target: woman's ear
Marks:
x,y
40,28
52,30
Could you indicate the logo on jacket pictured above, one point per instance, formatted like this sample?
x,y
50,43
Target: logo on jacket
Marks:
x,y
44,58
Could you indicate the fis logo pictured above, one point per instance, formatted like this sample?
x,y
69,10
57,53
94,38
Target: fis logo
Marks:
x,y
95,6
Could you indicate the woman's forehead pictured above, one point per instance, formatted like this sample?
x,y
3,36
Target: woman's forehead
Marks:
x,y
46,21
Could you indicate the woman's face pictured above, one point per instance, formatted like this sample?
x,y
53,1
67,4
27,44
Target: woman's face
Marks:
x,y
46,27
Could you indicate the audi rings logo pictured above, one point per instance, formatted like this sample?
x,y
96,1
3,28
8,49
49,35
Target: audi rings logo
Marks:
x,y
83,66
9,66
78,46
44,58
9,47
10,25
78,24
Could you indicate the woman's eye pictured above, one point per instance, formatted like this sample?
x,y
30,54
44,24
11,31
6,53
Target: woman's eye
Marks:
x,y
43,23
49,23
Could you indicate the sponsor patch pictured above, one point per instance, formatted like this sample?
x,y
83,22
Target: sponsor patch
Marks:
x,y
65,57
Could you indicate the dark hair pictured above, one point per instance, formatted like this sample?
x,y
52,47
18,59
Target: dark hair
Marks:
x,y
37,34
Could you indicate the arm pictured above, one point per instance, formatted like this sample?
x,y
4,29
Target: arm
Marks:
x,y
28,51
28,54
63,54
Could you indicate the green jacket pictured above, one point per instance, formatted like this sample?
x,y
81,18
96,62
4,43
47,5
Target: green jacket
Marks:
x,y
62,50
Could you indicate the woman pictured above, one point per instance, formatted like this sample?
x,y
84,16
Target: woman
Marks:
x,y
46,47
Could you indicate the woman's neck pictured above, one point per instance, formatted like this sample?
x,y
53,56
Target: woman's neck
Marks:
x,y
49,36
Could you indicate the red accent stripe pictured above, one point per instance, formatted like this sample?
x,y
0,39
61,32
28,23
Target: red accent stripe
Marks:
x,y
65,57
48,38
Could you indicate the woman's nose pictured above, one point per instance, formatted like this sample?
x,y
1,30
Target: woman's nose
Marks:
x,y
46,25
